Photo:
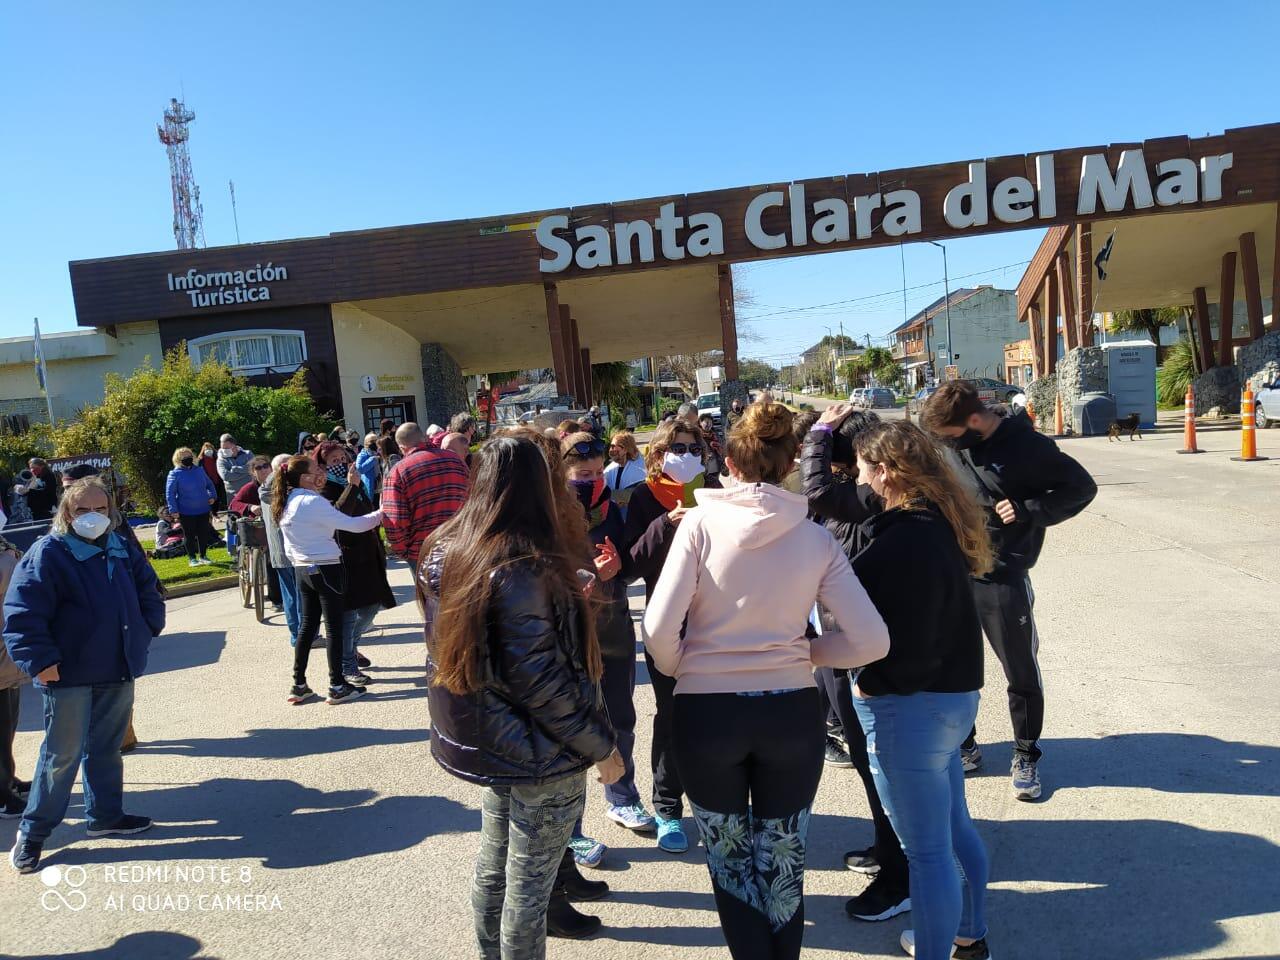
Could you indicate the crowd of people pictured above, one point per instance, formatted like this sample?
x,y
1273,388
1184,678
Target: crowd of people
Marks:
x,y
817,589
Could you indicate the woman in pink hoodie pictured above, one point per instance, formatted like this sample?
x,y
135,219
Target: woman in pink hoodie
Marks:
x,y
727,620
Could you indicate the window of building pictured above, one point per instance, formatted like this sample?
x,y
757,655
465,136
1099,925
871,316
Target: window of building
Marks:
x,y
252,351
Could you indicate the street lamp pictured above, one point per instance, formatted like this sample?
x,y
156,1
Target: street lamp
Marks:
x,y
946,292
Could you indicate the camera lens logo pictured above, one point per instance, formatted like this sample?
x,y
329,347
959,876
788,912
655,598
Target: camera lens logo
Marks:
x,y
70,896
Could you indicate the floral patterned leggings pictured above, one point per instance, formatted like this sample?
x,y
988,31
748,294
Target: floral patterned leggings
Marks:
x,y
750,764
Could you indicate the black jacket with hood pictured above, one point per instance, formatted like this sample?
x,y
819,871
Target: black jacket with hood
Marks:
x,y
539,715
1044,485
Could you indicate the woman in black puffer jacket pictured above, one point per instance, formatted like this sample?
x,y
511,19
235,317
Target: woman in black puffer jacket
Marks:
x,y
513,667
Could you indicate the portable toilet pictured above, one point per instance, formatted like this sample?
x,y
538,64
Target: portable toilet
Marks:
x,y
1131,379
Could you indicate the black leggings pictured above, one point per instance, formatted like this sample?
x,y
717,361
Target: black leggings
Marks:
x,y
197,533
750,765
668,791
886,849
320,591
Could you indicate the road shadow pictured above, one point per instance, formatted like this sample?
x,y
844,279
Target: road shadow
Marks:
x,y
1168,762
280,823
180,651
1137,889
150,944
278,744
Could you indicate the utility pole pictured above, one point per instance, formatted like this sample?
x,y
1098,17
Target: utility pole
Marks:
x,y
946,292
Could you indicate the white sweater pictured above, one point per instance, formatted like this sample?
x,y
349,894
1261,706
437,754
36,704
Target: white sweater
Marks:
x,y
309,524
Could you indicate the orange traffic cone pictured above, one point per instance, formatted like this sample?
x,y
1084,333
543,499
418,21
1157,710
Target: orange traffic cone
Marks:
x,y
1248,426
1059,430
1189,424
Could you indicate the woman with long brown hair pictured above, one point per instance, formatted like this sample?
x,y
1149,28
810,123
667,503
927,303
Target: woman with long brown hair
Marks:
x,y
514,667
675,468
918,704
308,524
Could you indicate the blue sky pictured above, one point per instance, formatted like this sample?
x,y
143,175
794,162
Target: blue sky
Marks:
x,y
347,116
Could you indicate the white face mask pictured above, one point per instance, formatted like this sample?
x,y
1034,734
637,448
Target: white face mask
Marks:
x,y
91,526
681,468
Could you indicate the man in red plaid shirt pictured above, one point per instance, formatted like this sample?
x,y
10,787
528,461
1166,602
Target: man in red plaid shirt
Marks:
x,y
422,491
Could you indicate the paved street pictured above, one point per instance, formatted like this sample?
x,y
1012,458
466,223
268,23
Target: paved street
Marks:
x,y
1159,835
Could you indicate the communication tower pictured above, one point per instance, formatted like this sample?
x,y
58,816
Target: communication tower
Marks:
x,y
188,214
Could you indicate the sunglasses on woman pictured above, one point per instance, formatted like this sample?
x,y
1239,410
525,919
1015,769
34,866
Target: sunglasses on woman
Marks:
x,y
680,449
594,448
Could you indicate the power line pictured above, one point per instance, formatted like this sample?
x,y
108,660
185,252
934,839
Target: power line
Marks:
x,y
884,294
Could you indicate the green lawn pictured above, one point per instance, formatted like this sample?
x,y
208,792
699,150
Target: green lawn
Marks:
x,y
176,571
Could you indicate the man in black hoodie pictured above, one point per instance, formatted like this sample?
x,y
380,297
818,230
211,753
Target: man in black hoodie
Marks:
x,y
1026,484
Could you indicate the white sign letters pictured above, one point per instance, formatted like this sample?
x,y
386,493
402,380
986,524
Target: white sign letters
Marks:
x,y
977,202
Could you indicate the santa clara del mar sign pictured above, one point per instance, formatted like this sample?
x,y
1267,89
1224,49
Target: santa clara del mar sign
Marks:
x,y
785,219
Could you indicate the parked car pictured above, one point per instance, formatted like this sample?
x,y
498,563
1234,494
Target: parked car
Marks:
x,y
995,391
916,404
1266,405
878,398
856,395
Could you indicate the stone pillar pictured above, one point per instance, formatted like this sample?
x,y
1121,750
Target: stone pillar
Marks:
x,y
1226,309
731,390
444,391
1252,288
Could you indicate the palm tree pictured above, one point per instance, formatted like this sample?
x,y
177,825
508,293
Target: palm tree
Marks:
x,y
612,385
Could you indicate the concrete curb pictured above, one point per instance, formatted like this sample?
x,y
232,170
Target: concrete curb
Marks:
x,y
201,586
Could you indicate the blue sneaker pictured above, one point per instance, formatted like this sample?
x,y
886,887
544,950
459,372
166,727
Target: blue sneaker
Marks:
x,y
586,851
671,836
633,817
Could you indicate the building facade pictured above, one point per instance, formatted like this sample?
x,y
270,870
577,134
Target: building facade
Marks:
x,y
982,320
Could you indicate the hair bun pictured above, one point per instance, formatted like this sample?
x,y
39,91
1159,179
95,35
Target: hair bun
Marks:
x,y
767,421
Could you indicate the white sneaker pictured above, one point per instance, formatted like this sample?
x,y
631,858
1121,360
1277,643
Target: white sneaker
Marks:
x,y
192,562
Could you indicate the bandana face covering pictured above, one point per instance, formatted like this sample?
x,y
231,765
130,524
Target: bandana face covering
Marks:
x,y
594,497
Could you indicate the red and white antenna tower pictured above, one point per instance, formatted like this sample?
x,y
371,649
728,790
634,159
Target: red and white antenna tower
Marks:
x,y
188,214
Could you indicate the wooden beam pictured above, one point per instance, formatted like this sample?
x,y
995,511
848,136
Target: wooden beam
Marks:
x,y
555,332
589,384
1050,322
1226,308
1065,292
1035,328
1275,277
1084,283
575,355
567,386
1204,339
1252,288
728,322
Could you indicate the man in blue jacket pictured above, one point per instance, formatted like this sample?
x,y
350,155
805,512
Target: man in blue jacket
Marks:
x,y
80,614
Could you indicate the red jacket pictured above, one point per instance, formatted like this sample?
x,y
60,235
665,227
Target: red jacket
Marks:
x,y
246,497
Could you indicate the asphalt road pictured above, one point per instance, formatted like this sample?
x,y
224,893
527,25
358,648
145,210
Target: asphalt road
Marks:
x,y
1158,835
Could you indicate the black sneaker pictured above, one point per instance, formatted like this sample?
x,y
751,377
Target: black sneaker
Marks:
x,y
12,808
880,901
974,951
363,662
357,679
862,861
300,693
125,825
25,855
344,693
21,788
836,754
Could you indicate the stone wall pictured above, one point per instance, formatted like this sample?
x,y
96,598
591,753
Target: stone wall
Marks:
x,y
1218,387
1082,370
443,388
1259,362
33,408
1041,394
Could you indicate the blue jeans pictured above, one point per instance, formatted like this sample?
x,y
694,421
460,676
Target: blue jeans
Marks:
x,y
289,600
913,744
355,623
83,727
